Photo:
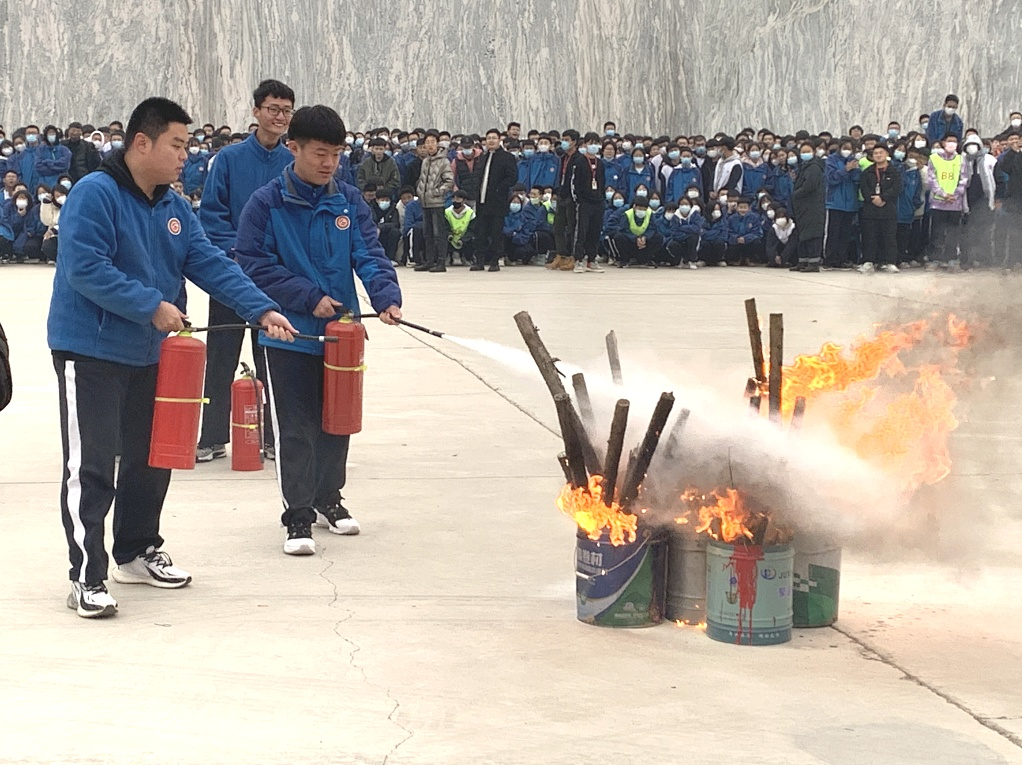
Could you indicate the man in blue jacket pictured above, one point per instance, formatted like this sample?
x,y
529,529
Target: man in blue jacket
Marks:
x,y
127,243
238,171
302,238
841,171
945,122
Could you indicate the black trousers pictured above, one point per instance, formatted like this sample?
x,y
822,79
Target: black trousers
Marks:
x,y
519,253
879,240
389,238
434,235
979,234
588,222
713,252
810,251
223,352
780,253
682,251
101,402
489,225
564,226
629,251
946,235
414,247
544,241
48,250
311,465
28,250
750,252
840,224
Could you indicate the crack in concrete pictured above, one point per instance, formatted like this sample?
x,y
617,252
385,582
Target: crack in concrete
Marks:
x,y
356,648
986,722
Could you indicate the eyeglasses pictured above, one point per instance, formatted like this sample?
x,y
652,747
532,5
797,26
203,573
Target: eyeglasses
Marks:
x,y
276,111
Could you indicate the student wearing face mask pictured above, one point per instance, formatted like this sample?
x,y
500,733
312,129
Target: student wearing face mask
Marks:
x,y
21,230
461,221
7,155
388,223
613,220
1014,123
754,171
26,147
713,241
588,181
683,177
193,174
541,166
728,173
809,207
519,232
639,174
84,156
781,178
612,171
685,226
466,168
910,201
948,180
412,245
841,173
780,241
49,215
979,197
436,181
945,122
638,242
880,186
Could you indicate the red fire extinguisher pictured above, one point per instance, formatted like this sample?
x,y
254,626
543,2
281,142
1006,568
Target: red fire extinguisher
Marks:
x,y
246,421
343,368
178,406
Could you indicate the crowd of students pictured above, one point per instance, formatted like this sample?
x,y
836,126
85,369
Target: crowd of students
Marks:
x,y
938,195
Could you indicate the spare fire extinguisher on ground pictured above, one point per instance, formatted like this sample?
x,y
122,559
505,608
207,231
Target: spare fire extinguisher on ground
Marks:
x,y
246,421
343,370
178,405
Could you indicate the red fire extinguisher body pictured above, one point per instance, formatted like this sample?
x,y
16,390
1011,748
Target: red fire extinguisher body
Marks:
x,y
178,405
343,368
246,424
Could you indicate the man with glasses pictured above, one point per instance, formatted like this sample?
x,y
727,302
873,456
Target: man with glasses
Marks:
x,y
239,170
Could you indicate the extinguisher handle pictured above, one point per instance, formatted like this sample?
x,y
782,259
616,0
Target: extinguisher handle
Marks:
x,y
221,327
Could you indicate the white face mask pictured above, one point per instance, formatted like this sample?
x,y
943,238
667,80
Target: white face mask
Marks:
x,y
949,110
782,222
22,204
716,214
59,200
43,198
972,149
543,148
693,194
1016,123
771,214
920,144
193,150
820,152
8,151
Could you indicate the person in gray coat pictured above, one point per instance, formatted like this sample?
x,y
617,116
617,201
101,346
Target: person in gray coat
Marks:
x,y
436,181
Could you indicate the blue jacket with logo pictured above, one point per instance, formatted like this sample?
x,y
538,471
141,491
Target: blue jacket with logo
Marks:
x,y
51,162
238,171
613,221
781,184
413,216
300,243
23,164
520,226
748,227
911,198
683,228
641,175
613,173
680,179
842,185
754,178
539,170
716,230
121,255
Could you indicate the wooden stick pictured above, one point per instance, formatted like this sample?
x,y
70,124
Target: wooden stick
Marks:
x,y
776,360
615,358
615,444
572,446
755,340
540,354
676,431
589,454
753,394
798,414
637,473
585,404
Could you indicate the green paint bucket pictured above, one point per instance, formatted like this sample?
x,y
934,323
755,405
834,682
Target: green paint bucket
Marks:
x,y
686,576
748,593
623,585
816,583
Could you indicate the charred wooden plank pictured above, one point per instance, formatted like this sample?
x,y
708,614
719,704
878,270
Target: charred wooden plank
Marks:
x,y
637,472
755,340
615,445
540,354
776,360
615,358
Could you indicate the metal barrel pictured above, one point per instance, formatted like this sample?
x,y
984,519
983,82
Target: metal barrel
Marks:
x,y
748,593
686,576
624,585
816,582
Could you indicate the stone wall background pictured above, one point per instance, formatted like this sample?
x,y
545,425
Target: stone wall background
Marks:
x,y
671,66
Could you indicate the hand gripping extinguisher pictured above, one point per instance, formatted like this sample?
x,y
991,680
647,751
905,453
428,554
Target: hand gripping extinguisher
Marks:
x,y
246,421
178,405
343,368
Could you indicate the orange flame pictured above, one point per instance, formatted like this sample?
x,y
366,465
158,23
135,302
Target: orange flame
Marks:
x,y
586,507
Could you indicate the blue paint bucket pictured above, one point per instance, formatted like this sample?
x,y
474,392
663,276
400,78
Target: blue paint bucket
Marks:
x,y
749,593
624,585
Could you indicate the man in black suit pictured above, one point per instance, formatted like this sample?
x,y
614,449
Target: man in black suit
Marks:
x,y
498,172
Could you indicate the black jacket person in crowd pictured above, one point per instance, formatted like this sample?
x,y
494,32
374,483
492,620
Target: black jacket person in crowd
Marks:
x,y
498,172
880,186
808,202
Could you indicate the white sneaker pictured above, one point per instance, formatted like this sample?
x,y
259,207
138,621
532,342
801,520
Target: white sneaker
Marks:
x,y
866,268
700,264
210,453
691,265
153,567
592,268
932,265
91,600
890,268
338,520
580,267
299,539
722,264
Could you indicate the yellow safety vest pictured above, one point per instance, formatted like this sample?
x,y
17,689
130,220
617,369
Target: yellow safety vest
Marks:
x,y
459,225
637,229
948,172
549,213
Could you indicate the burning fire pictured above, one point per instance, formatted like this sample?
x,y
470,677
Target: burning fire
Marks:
x,y
728,516
907,433
730,512
591,515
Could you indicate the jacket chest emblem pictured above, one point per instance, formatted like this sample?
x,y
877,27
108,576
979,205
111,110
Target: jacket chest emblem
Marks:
x,y
342,222
174,226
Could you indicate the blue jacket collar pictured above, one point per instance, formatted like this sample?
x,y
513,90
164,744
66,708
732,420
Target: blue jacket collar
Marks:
x,y
297,191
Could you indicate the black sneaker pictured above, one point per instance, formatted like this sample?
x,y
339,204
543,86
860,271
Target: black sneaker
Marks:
x,y
270,452
799,267
494,266
91,600
476,267
438,270
299,539
337,519
422,267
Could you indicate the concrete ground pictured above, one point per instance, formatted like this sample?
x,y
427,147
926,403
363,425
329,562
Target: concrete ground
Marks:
x,y
446,633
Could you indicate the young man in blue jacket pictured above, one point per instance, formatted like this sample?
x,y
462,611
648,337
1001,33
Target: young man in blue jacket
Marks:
x,y
841,170
127,243
239,170
302,238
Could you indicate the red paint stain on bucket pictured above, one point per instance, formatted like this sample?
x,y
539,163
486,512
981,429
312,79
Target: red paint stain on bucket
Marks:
x,y
745,574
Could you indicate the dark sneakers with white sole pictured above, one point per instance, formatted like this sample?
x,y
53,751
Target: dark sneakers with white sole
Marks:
x,y
153,567
299,539
336,518
91,601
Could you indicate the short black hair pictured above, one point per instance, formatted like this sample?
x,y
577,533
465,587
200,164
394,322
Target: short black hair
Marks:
x,y
431,133
513,124
406,190
591,137
272,89
317,123
382,194
152,117
571,134
377,142
369,187
493,130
